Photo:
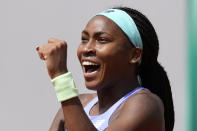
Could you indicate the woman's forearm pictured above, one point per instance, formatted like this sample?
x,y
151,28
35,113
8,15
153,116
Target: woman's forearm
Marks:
x,y
75,116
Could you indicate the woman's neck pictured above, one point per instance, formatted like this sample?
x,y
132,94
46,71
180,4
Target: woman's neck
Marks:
x,y
111,94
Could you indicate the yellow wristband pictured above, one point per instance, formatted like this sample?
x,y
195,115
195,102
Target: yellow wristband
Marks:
x,y
64,87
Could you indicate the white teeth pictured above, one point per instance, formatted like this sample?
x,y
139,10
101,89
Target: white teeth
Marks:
x,y
88,63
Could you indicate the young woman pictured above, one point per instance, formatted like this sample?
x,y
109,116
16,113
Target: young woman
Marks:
x,y
118,54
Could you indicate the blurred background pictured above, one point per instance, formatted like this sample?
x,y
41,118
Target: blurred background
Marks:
x,y
27,99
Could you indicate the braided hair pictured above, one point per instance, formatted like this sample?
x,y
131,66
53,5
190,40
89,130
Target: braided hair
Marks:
x,y
152,74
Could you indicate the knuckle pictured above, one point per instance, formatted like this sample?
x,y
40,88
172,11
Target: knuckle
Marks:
x,y
50,40
64,44
59,45
52,50
63,41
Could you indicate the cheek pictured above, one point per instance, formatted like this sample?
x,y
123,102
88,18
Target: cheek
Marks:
x,y
110,61
109,55
106,52
114,59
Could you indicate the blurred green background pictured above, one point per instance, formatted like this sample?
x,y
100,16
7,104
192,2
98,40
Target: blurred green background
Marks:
x,y
192,54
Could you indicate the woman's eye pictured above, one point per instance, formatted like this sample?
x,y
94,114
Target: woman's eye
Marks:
x,y
84,40
102,39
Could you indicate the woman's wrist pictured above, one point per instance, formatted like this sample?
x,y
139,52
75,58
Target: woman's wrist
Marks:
x,y
64,87
56,74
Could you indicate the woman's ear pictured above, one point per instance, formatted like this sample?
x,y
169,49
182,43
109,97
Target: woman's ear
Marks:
x,y
136,55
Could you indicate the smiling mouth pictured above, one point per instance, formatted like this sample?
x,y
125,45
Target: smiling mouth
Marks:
x,y
90,67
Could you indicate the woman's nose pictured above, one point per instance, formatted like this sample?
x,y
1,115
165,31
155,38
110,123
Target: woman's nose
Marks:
x,y
89,49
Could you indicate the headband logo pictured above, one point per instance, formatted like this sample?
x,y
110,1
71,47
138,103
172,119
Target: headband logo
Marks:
x,y
108,11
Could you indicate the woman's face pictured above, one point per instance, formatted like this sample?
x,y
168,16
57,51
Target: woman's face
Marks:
x,y
104,53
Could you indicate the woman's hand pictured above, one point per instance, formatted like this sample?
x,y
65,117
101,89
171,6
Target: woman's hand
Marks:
x,y
54,53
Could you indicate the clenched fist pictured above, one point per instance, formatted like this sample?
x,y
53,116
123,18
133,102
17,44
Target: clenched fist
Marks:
x,y
54,53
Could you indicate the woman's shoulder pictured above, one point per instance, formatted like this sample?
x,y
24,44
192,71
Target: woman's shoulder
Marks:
x,y
145,107
145,102
142,111
145,97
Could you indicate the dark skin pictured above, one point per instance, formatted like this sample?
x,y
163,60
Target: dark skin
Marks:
x,y
104,44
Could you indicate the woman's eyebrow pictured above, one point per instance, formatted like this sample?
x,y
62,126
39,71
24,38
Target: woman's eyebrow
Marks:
x,y
85,32
101,32
96,33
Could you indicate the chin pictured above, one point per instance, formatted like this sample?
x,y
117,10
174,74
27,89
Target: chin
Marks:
x,y
95,84
92,85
